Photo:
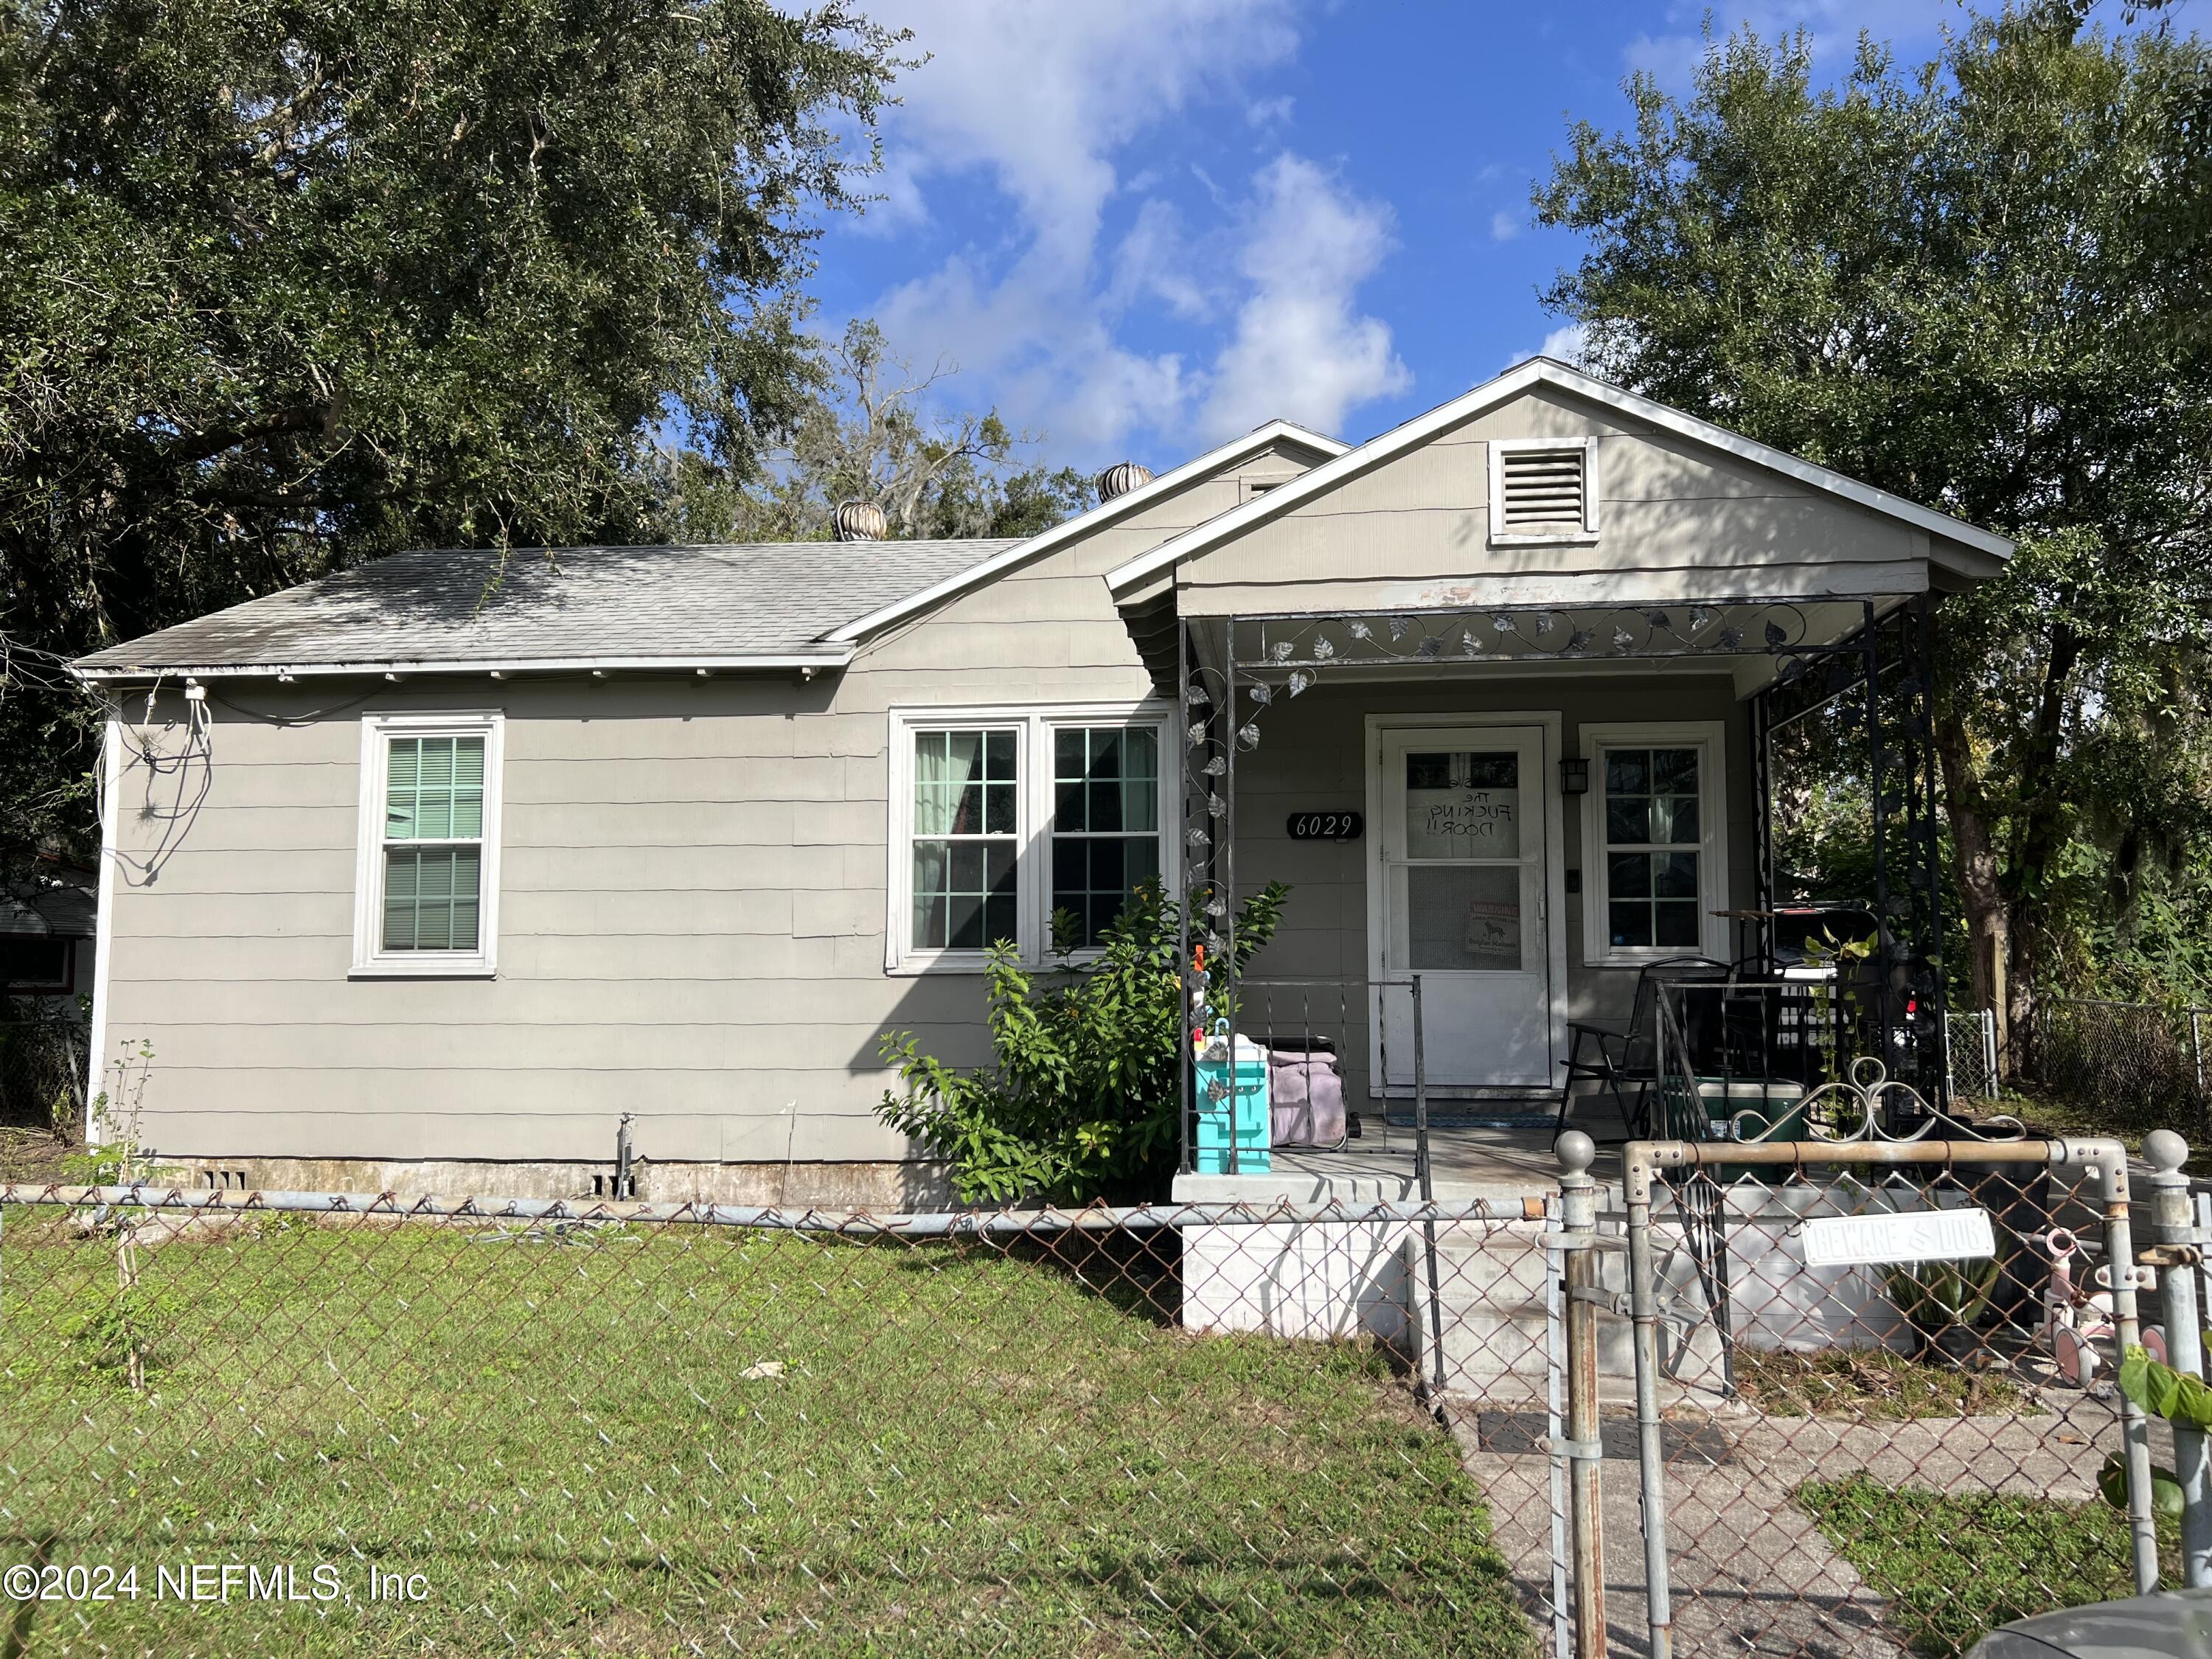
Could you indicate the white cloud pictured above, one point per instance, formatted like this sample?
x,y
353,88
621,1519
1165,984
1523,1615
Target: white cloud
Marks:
x,y
1042,94
1301,349
1043,355
901,205
1038,101
1503,226
1566,343
1153,261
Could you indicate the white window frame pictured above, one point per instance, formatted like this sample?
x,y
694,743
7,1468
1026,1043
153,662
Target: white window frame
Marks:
x,y
370,959
1036,723
1710,738
1501,537
68,980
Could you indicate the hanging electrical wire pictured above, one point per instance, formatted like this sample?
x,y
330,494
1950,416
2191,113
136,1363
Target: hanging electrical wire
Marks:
x,y
192,767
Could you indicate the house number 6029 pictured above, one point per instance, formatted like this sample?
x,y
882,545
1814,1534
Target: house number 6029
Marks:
x,y
1325,826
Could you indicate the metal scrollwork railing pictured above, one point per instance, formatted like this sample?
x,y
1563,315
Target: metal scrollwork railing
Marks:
x,y
1866,1104
1299,646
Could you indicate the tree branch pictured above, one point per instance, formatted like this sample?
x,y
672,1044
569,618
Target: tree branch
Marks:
x,y
204,446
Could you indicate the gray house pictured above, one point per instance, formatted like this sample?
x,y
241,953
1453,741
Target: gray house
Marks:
x,y
422,875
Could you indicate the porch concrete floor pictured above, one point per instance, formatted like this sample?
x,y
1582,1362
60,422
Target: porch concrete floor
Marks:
x,y
1466,1165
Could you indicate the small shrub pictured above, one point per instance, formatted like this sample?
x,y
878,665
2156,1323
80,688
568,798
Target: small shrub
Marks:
x,y
1080,1102
122,1330
1937,1297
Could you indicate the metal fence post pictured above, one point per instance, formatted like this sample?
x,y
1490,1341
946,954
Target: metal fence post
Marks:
x,y
2110,1161
1643,1302
1420,1093
2172,1224
1427,1189
2196,1064
1578,1238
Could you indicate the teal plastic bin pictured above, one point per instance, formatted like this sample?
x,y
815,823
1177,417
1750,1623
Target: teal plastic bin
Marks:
x,y
1233,1108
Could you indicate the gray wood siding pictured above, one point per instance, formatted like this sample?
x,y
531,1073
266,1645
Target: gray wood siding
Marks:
x,y
692,900
1676,521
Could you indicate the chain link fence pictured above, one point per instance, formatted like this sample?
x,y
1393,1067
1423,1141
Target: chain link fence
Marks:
x,y
1970,1055
1861,1389
42,1065
323,1424
1880,1377
2138,1066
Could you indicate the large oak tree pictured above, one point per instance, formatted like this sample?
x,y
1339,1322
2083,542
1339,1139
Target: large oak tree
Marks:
x,y
289,284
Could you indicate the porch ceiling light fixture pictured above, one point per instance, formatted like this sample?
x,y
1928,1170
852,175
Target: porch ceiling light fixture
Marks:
x,y
1574,775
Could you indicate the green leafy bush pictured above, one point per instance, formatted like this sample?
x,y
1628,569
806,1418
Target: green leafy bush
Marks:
x,y
2165,1392
1080,1101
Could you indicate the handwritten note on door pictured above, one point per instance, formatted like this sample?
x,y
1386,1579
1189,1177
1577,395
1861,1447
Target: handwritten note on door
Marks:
x,y
1463,804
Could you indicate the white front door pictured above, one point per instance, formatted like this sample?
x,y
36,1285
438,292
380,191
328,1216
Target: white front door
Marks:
x,y
1459,874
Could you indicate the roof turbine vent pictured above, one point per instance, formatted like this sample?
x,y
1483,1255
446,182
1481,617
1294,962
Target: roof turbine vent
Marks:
x,y
1122,477
858,522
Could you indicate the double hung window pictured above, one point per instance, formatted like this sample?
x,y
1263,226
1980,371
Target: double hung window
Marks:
x,y
1105,823
967,838
426,888
1653,839
1009,823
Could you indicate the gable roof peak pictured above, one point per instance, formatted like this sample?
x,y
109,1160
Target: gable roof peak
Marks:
x,y
1108,512
1411,434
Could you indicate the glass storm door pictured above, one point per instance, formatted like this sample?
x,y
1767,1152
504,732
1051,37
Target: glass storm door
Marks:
x,y
1460,867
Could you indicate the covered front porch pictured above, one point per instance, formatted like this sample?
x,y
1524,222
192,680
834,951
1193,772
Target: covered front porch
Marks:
x,y
1500,697
1500,831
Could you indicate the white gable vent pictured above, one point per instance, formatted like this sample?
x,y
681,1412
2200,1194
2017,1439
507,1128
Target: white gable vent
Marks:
x,y
1542,490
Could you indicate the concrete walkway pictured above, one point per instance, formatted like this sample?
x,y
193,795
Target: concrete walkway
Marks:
x,y
1750,1573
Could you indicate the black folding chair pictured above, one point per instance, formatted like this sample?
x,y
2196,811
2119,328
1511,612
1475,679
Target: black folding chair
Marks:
x,y
1623,1061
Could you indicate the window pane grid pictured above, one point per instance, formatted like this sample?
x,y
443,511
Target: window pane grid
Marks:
x,y
434,789
434,807
432,897
966,819
1652,841
1106,818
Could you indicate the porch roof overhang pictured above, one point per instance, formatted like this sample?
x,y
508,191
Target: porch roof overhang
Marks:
x,y
1734,579
1755,640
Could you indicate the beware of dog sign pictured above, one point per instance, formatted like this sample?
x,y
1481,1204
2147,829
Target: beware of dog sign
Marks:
x,y
1843,1241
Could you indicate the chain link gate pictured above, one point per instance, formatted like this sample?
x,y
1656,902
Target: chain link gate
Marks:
x,y
324,1422
1873,1405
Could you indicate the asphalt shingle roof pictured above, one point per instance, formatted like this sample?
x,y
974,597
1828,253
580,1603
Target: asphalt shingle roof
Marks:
x,y
49,911
442,605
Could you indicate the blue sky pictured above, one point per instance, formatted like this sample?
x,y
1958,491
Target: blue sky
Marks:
x,y
1137,227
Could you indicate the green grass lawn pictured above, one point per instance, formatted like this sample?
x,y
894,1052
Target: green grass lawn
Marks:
x,y
1952,1569
967,1451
